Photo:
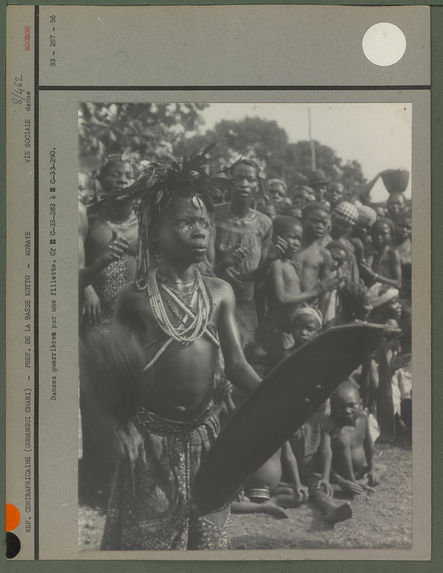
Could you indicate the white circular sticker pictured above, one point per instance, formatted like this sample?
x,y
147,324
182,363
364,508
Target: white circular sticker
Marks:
x,y
384,44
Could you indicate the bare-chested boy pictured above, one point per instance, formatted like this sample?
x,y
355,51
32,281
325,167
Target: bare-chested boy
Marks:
x,y
180,320
353,466
384,266
314,261
283,289
107,255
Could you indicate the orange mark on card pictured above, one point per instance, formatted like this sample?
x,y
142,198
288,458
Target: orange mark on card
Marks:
x,y
12,517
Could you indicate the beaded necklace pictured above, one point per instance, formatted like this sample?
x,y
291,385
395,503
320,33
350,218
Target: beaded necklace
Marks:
x,y
193,316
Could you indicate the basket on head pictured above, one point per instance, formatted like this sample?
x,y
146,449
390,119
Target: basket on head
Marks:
x,y
395,180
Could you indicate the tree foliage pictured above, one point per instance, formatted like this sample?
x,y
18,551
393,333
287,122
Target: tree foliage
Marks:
x,y
268,143
149,130
139,130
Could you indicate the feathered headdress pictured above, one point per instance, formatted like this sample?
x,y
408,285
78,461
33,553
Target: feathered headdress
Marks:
x,y
159,182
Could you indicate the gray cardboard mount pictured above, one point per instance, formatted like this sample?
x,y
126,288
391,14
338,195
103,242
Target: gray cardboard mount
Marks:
x,y
127,54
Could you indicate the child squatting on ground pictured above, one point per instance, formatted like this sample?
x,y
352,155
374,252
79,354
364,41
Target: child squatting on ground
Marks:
x,y
264,491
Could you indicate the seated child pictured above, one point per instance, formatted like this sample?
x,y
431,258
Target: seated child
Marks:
x,y
264,492
353,468
311,443
312,448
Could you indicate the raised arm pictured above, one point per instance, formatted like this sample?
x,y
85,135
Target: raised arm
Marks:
x,y
115,249
284,296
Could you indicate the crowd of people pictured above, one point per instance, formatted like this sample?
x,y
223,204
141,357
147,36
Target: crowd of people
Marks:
x,y
192,288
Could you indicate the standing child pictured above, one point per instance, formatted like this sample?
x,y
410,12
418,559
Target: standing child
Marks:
x,y
283,290
108,234
175,317
314,261
387,310
361,233
107,254
403,246
384,266
343,219
340,271
242,242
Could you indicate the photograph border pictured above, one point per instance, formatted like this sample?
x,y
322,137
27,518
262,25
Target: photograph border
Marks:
x,y
437,358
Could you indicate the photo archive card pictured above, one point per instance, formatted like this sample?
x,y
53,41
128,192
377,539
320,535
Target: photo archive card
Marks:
x,y
101,100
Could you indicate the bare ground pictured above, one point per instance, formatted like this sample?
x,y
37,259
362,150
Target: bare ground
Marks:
x,y
384,520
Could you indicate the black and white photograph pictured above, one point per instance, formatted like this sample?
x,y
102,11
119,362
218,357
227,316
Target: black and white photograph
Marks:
x,y
245,361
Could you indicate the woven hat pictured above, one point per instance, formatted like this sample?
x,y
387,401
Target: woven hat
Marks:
x,y
346,212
